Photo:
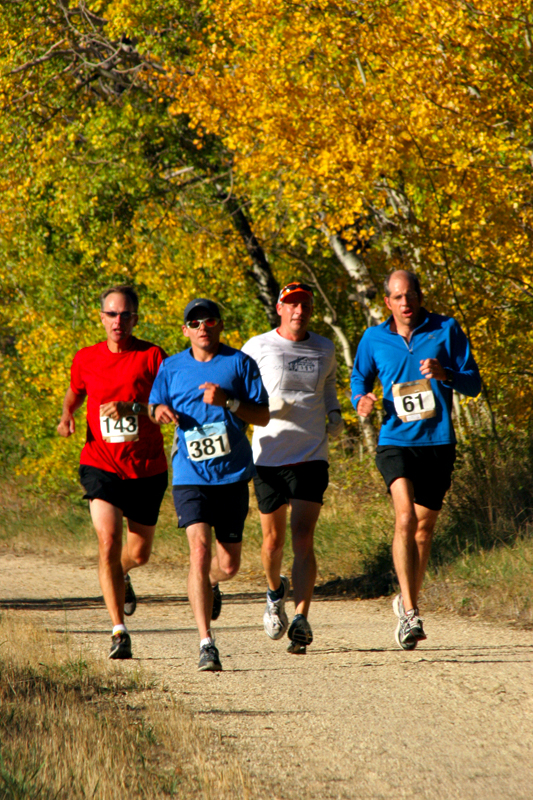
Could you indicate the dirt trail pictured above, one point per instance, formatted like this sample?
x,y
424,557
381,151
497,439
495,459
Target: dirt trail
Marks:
x,y
354,718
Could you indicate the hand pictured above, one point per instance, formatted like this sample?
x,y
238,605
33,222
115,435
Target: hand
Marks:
x,y
66,426
164,414
115,409
279,407
335,425
366,404
214,395
431,368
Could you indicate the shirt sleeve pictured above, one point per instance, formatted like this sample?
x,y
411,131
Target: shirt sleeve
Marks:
x,y
252,384
466,378
77,383
159,392
330,387
364,370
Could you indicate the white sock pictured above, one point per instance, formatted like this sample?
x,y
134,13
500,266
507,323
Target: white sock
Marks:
x,y
205,642
119,629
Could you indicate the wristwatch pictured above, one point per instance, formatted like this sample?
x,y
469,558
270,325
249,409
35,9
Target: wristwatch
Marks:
x,y
152,410
136,407
232,404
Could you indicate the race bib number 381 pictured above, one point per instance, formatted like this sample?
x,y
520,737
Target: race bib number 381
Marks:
x,y
209,441
125,429
414,400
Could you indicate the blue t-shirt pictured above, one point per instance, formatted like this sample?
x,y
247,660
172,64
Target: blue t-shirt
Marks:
x,y
386,355
212,443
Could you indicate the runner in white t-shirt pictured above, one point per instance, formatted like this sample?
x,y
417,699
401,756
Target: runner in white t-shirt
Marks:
x,y
291,454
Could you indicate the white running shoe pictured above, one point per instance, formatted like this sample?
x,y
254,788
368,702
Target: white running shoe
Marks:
x,y
275,619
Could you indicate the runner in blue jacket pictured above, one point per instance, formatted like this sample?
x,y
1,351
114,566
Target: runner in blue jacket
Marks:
x,y
419,358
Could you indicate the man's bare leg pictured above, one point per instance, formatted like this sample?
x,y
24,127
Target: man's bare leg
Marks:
x,y
273,527
198,584
304,516
411,545
107,521
226,562
138,546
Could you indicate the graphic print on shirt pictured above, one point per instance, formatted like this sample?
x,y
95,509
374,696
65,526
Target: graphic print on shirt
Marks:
x,y
300,373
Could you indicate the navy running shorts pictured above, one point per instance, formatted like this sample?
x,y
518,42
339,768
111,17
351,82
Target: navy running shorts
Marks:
x,y
139,499
223,507
276,486
428,468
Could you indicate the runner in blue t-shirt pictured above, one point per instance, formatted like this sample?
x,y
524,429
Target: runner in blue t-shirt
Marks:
x,y
419,358
211,392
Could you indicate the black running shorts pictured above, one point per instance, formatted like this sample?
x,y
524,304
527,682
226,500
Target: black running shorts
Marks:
x,y
139,499
276,486
428,468
223,507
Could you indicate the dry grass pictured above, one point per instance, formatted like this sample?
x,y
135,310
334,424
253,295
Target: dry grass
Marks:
x,y
70,728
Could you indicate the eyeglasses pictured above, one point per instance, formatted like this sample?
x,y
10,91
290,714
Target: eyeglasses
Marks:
x,y
124,315
209,322
294,287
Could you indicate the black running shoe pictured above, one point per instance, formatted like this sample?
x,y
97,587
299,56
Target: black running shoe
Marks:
x,y
300,631
130,601
217,603
209,659
120,645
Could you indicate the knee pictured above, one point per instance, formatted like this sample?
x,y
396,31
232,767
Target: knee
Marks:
x,y
110,550
273,544
406,522
424,535
230,569
140,558
200,556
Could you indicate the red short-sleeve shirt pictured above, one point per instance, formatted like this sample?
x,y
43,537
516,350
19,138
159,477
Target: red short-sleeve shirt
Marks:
x,y
105,377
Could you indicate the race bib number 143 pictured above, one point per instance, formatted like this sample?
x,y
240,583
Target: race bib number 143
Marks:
x,y
125,429
414,400
209,441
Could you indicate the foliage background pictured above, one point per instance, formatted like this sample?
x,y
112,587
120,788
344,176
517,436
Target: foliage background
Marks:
x,y
209,148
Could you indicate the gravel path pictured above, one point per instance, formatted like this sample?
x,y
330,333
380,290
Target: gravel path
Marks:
x,y
354,718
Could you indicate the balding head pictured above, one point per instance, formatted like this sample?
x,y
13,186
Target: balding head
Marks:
x,y
402,273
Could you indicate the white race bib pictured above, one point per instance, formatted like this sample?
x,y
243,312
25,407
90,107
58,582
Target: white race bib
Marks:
x,y
209,441
414,400
125,429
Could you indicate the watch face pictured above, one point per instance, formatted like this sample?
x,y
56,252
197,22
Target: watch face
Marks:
x,y
136,407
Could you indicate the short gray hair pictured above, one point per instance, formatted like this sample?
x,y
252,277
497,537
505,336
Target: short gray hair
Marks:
x,y
127,291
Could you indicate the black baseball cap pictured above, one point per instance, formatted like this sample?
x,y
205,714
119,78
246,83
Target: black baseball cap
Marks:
x,y
210,308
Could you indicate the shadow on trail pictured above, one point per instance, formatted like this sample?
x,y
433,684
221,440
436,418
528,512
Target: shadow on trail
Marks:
x,y
364,586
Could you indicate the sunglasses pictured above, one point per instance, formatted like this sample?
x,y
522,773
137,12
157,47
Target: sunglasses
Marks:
x,y
124,315
294,287
209,322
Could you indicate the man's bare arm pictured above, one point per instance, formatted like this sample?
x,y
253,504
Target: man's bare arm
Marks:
x,y
71,403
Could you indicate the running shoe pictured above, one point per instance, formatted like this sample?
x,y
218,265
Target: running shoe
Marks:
x,y
275,618
120,645
217,603
410,630
300,634
130,601
209,659
398,606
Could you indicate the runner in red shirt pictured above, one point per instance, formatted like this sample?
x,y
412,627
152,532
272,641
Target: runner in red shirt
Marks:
x,y
123,466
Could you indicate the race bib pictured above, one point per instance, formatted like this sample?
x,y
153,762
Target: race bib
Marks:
x,y
414,400
209,441
125,429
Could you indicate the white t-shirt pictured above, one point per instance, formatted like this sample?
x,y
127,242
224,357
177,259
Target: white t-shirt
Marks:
x,y
302,375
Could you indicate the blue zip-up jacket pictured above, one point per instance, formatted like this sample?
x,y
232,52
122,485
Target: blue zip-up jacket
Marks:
x,y
386,355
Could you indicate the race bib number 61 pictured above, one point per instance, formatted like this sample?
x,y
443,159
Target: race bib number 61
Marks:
x,y
414,400
209,441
